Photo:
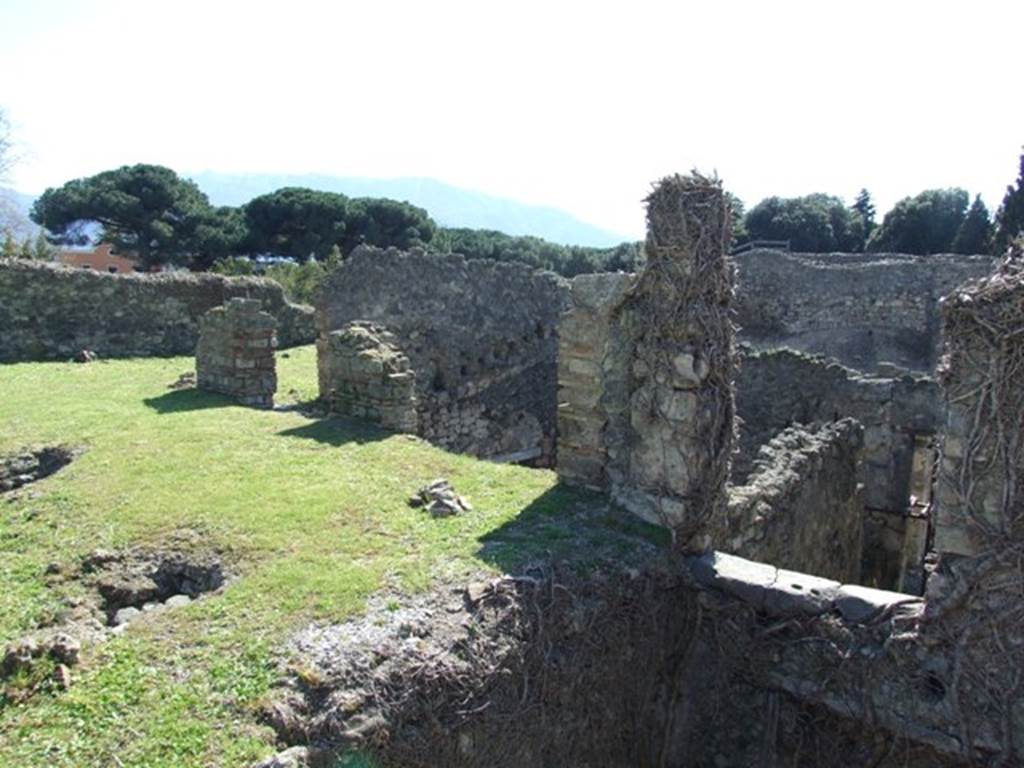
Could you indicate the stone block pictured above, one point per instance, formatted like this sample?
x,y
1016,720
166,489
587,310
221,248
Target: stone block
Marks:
x,y
736,576
860,605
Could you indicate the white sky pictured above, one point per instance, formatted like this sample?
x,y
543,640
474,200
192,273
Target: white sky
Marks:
x,y
578,105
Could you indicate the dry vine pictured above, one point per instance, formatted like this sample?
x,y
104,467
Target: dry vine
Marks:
x,y
681,304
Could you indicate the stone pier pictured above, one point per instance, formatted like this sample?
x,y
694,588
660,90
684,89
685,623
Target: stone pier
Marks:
x,y
235,353
646,372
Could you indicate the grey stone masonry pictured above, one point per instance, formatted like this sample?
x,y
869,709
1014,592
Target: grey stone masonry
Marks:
x,y
479,335
862,309
647,368
51,312
594,356
980,487
235,353
363,373
802,508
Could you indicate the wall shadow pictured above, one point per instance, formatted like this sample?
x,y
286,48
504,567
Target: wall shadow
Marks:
x,y
571,525
188,400
338,430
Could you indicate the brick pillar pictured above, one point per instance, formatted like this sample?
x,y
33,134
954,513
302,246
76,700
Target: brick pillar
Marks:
x,y
594,352
235,353
681,401
364,373
646,369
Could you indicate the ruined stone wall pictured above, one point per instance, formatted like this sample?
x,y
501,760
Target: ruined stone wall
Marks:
x,y
646,367
480,337
235,352
50,312
594,372
363,373
862,309
980,488
802,506
901,415
945,674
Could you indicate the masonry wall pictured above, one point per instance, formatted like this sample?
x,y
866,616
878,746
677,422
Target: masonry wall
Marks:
x,y
862,309
480,337
802,506
50,312
365,374
235,353
901,416
646,407
980,486
594,374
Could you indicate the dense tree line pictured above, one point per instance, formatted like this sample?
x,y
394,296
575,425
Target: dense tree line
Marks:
x,y
150,211
567,260
934,221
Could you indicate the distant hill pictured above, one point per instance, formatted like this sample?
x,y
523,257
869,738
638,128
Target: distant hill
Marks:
x,y
448,205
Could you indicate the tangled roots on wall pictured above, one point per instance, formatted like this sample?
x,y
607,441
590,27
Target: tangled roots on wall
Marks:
x,y
546,668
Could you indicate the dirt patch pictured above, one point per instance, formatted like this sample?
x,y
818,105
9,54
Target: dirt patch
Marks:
x,y
543,668
28,466
137,581
121,587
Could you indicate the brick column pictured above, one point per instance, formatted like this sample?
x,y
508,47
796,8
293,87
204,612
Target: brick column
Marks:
x,y
235,353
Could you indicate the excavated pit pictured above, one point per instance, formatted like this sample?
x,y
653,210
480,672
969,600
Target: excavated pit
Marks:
x,y
542,668
133,582
28,466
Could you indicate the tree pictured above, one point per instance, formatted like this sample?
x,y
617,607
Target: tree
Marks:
x,y
11,218
737,212
1010,216
9,249
927,223
219,233
814,223
144,209
386,223
296,222
864,207
975,233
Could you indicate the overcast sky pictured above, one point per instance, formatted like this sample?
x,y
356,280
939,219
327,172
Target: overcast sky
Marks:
x,y
575,105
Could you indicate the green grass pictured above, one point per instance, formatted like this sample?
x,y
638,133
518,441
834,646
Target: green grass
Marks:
x,y
311,518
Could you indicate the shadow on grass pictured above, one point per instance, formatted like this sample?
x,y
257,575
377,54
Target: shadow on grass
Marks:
x,y
569,524
338,430
188,400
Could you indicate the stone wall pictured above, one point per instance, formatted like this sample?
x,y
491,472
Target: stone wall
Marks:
x,y
49,312
646,368
480,338
980,487
594,374
364,374
901,416
235,352
802,506
843,667
862,309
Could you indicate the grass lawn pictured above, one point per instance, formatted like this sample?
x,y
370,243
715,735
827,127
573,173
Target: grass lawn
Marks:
x,y
309,515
